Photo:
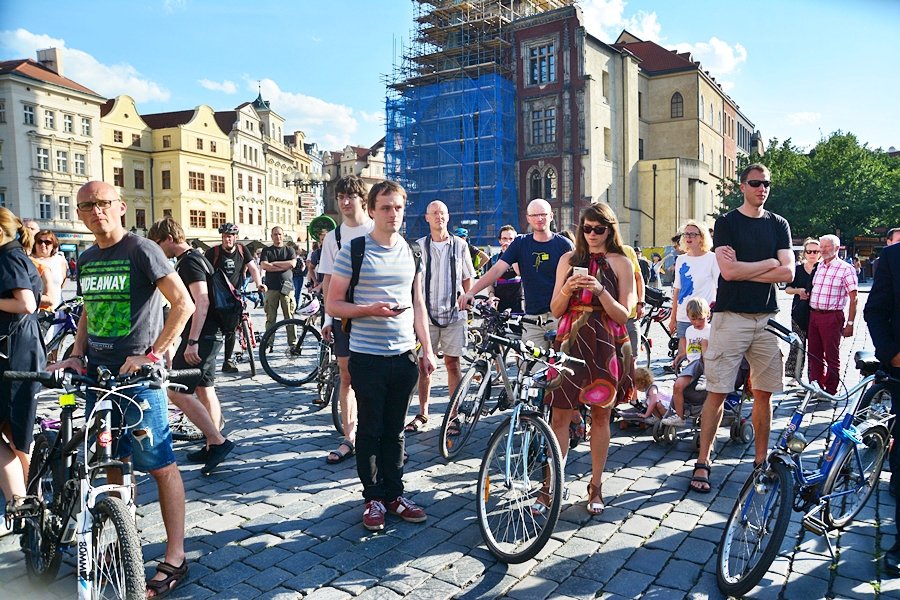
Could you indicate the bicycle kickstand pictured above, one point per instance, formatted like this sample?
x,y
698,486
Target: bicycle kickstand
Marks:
x,y
812,523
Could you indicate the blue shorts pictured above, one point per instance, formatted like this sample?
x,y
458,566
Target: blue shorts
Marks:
x,y
148,441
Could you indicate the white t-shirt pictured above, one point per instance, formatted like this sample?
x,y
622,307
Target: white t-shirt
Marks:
x,y
330,248
695,276
693,338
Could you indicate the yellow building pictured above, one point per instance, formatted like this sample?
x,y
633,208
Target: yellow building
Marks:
x,y
127,158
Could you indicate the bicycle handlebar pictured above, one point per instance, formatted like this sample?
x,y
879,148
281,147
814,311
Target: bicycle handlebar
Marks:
x,y
59,379
536,352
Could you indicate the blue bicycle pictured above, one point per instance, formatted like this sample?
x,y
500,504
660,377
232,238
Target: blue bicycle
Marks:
x,y
830,496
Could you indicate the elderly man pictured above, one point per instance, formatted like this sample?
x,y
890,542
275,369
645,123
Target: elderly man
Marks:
x,y
834,287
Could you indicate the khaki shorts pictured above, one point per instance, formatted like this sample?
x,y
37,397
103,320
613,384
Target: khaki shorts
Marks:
x,y
535,333
734,336
451,340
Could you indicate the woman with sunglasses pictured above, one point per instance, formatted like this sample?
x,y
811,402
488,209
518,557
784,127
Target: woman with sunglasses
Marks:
x,y
799,289
51,268
592,310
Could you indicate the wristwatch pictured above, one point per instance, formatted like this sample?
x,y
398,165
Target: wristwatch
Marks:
x,y
849,322
193,342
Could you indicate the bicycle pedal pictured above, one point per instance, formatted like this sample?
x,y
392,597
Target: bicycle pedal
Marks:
x,y
814,525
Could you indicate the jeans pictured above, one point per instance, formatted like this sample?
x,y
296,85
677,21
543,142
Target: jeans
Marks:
x,y
383,385
298,287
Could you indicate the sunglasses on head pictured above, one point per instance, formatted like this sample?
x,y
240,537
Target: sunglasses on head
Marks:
x,y
755,183
598,229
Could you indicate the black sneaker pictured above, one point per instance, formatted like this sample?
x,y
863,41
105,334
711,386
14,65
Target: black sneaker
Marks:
x,y
229,367
198,456
216,455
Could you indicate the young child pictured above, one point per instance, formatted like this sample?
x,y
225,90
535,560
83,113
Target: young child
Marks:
x,y
657,400
696,339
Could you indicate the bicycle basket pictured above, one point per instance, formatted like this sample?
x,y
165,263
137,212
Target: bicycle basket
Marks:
x,y
654,297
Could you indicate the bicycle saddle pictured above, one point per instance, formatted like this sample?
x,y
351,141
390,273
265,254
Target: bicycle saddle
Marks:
x,y
866,362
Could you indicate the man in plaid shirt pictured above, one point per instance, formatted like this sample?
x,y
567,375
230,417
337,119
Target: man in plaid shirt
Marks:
x,y
833,285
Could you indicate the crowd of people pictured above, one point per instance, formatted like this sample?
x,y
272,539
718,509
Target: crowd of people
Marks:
x,y
392,307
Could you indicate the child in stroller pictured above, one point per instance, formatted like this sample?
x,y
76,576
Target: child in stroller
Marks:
x,y
657,401
690,358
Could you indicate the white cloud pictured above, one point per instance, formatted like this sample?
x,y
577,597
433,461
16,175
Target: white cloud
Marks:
x,y
371,117
606,19
170,6
227,87
803,118
106,80
717,56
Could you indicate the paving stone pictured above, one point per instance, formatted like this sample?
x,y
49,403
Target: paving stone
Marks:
x,y
578,587
648,561
628,583
225,556
309,579
533,587
696,550
678,574
227,578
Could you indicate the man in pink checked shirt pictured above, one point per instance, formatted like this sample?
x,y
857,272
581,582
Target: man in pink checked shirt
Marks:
x,y
833,285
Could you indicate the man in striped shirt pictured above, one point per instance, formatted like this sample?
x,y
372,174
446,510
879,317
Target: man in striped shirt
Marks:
x,y
834,287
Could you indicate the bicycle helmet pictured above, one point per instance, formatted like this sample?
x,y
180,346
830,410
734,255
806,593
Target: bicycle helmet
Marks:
x,y
229,228
310,309
461,232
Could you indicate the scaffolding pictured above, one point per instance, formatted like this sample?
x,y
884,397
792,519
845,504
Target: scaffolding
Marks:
x,y
451,114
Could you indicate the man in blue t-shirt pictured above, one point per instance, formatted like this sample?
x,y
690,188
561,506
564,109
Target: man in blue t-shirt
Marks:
x,y
537,255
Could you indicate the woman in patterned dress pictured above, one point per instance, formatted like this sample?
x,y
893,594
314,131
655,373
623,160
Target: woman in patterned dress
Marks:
x,y
593,310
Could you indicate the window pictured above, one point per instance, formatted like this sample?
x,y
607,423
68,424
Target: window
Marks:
x,y
167,141
117,136
218,219
2,112
85,126
259,185
138,179
605,84
534,184
258,215
640,148
140,218
68,124
118,177
136,140
3,199
240,181
43,159
550,185
199,143
701,107
198,219
607,143
550,124
250,184
541,64
79,164
217,184
250,216
212,148
44,206
196,181
49,119
702,153
240,215
677,105
166,179
29,115
167,213
64,203
62,161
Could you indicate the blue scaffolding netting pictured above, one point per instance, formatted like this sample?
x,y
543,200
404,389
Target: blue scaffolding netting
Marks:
x,y
455,141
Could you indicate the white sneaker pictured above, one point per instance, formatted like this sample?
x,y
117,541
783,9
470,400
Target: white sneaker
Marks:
x,y
651,420
673,420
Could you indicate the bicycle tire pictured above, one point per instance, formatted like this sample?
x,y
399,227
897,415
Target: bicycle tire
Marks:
x,y
511,531
465,404
643,350
765,495
60,346
877,397
182,429
117,560
333,392
42,557
248,346
847,474
290,365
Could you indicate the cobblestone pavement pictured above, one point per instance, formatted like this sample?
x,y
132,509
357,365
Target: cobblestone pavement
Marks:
x,y
275,521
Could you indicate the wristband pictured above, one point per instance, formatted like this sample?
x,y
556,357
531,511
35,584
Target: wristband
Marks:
x,y
81,359
152,355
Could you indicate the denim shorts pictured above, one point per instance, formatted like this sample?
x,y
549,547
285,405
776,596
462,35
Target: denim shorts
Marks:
x,y
148,441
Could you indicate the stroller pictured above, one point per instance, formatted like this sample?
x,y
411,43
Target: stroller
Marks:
x,y
741,429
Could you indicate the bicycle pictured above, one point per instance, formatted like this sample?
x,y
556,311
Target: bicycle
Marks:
x,y
522,463
830,496
60,345
328,383
244,332
658,309
66,505
293,363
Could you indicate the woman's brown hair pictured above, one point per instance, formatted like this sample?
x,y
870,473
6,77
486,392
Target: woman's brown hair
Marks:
x,y
603,214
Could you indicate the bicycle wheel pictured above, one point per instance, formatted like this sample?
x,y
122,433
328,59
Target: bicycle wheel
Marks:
x,y
755,529
643,353
333,391
290,364
42,557
181,427
248,344
118,563
854,480
464,409
511,530
876,401
60,347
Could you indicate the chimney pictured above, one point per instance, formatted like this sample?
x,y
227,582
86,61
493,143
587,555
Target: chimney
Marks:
x,y
52,59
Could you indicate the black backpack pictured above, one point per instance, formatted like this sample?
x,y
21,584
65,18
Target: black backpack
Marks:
x,y
225,305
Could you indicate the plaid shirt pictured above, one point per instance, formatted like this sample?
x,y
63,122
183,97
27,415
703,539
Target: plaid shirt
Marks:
x,y
832,285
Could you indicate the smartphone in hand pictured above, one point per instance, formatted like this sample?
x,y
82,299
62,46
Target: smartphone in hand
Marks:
x,y
579,271
398,309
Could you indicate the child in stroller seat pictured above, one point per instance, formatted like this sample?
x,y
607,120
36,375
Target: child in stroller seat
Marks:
x,y
657,401
696,339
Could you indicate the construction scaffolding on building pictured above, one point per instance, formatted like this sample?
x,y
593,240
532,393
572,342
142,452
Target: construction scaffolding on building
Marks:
x,y
451,114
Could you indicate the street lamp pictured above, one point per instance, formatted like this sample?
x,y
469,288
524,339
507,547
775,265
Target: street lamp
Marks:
x,y
307,182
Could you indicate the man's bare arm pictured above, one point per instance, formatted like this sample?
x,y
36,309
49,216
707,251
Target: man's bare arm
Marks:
x,y
783,273
735,270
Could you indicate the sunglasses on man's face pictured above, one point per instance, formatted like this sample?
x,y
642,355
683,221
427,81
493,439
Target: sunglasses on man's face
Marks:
x,y
755,183
598,229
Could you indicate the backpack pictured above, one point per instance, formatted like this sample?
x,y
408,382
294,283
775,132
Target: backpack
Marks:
x,y
357,251
225,305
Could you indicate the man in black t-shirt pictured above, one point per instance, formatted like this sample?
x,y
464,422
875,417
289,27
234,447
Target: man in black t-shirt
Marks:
x,y
200,344
278,261
753,249
234,260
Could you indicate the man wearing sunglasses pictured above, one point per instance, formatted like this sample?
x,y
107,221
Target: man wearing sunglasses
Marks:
x,y
753,249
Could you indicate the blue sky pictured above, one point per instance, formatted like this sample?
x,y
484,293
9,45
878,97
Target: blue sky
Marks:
x,y
799,69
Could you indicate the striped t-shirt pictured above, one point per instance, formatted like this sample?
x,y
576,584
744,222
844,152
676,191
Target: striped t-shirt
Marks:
x,y
386,275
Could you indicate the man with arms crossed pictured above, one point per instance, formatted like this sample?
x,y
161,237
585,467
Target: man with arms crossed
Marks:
x,y
351,199
278,261
537,255
122,329
388,313
753,249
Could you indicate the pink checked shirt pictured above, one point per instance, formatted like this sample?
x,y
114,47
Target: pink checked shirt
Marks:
x,y
832,285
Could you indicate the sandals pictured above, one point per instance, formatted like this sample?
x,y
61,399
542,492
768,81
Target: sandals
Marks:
x,y
593,507
174,576
698,479
453,428
336,456
542,505
418,422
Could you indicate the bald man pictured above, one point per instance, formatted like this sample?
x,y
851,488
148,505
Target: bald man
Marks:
x,y
537,255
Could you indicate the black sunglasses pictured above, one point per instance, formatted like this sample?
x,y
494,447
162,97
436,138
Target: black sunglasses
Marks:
x,y
755,183
598,229
45,242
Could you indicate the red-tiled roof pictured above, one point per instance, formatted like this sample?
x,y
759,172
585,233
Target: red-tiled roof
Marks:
x,y
656,59
168,119
226,119
35,70
107,106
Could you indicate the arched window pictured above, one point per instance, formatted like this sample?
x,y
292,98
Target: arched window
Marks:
x,y
550,185
701,107
535,185
677,105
